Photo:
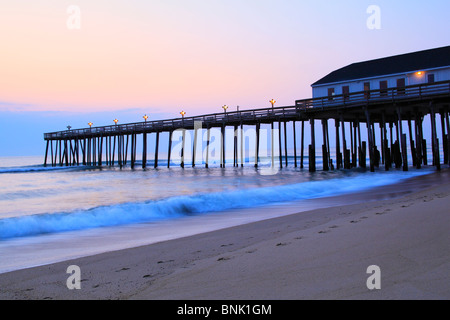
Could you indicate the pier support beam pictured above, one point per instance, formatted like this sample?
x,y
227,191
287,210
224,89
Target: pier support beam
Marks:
x,y
411,142
169,149
156,150
208,140
302,145
280,155
183,146
324,146
371,142
46,153
194,146
295,144
222,146
144,151
444,137
448,134
242,144
258,126
402,141
312,149
285,145
435,143
235,146
338,145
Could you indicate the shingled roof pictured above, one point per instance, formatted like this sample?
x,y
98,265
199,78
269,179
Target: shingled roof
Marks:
x,y
421,60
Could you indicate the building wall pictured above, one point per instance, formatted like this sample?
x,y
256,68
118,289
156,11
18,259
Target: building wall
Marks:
x,y
358,85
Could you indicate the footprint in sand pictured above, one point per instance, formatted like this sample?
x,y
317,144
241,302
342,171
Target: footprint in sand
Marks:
x,y
223,259
123,269
161,261
227,245
282,244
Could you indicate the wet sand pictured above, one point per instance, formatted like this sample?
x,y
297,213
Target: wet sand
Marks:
x,y
318,254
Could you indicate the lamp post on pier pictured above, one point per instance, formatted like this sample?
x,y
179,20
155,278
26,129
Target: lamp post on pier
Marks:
x,y
272,102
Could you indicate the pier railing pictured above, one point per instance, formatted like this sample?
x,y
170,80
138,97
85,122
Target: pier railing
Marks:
x,y
395,94
355,99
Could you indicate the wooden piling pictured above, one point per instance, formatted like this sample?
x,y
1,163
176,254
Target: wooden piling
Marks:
x,y
338,145
183,146
208,139
155,165
144,150
417,121
295,145
403,141
194,147
324,147
222,146
444,137
436,157
46,153
370,138
279,145
235,146
411,142
447,121
312,156
285,145
302,144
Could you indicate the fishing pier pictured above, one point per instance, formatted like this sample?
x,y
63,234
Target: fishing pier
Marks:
x,y
392,114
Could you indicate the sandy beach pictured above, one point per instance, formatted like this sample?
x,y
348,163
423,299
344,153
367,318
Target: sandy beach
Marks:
x,y
319,254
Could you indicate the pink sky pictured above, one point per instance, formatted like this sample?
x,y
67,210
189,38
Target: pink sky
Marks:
x,y
164,56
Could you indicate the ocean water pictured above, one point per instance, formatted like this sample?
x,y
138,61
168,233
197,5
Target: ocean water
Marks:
x,y
50,214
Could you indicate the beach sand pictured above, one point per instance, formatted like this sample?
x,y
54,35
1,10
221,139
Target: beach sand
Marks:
x,y
319,254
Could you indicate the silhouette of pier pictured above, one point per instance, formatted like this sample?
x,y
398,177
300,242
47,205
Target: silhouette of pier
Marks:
x,y
394,110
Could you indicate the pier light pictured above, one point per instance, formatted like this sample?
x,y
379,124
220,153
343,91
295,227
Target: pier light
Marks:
x,y
272,102
225,107
115,121
182,113
145,118
69,127
90,125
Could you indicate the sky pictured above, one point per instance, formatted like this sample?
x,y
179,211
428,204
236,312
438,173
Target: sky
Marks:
x,y
71,62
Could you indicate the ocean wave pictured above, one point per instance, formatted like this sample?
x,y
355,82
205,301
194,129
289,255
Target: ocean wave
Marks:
x,y
41,168
179,206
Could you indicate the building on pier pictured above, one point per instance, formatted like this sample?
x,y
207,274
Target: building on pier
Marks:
x,y
377,77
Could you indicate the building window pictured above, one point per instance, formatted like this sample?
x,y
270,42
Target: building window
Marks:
x,y
366,90
431,78
330,93
401,86
383,88
346,92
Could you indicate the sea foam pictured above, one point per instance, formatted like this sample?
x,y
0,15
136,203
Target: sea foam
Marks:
x,y
196,204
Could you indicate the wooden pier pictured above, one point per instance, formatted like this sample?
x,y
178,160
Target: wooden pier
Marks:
x,y
384,112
